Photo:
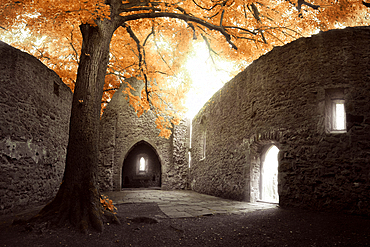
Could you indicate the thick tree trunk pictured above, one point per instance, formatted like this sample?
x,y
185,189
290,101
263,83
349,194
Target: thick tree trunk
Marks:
x,y
78,199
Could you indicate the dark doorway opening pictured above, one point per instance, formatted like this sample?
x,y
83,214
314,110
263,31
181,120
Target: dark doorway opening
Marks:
x,y
142,167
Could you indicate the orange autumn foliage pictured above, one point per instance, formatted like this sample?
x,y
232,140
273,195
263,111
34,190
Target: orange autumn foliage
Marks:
x,y
108,204
154,37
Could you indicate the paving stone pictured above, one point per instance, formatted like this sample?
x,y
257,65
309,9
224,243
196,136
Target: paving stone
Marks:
x,y
180,204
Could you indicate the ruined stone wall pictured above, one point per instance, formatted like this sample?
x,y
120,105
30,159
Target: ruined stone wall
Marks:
x,y
178,174
121,129
34,125
283,99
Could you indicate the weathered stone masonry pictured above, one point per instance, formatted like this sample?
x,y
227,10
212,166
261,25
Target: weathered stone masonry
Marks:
x,y
35,109
282,99
121,130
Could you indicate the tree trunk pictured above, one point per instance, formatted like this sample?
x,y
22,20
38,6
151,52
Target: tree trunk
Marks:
x,y
78,198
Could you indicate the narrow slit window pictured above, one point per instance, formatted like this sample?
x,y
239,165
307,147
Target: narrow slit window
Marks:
x,y
56,89
339,115
203,149
142,164
335,111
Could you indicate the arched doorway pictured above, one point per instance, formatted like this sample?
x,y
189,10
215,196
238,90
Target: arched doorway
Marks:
x,y
141,168
269,175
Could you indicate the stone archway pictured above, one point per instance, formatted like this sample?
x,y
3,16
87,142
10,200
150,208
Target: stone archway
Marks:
x,y
141,168
269,175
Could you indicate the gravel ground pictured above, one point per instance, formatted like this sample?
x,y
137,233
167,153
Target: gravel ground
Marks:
x,y
144,224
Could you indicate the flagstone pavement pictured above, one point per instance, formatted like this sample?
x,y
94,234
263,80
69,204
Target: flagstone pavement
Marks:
x,y
185,203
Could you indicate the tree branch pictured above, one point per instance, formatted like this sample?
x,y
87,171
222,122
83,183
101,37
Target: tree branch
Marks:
x,y
147,37
366,4
222,17
141,56
73,48
208,9
255,12
183,17
303,2
110,89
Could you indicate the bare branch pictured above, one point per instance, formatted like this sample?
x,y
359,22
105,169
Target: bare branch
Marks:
x,y
73,48
147,37
245,11
208,9
141,56
255,12
147,6
240,28
42,55
111,89
193,28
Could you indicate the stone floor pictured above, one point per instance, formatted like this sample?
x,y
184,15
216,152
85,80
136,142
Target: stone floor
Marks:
x,y
185,203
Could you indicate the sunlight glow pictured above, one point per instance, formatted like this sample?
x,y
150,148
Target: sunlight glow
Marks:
x,y
208,74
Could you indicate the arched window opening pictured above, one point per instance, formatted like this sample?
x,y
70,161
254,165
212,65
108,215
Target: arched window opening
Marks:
x,y
269,175
142,166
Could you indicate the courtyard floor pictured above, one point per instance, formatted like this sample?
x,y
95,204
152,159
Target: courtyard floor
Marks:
x,y
185,218
185,203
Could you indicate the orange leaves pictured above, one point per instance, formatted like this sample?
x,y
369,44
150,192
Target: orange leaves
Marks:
x,y
164,126
49,30
107,204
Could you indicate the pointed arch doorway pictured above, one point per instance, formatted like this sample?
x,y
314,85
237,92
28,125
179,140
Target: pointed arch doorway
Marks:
x,y
141,167
269,175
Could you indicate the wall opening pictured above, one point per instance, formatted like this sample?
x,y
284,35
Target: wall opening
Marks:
x,y
269,175
335,114
142,167
339,116
142,164
56,89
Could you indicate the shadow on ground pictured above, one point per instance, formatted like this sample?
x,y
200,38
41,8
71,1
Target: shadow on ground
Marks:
x,y
144,224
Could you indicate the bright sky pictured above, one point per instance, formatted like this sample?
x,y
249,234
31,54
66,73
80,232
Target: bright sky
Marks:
x,y
207,76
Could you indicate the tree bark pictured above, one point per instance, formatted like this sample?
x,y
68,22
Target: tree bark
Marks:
x,y
78,198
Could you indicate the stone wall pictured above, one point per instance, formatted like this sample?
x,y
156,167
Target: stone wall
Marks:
x,y
121,130
283,98
34,126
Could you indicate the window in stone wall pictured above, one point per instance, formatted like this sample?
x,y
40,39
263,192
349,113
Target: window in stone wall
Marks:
x,y
203,143
56,89
335,111
142,164
339,115
269,175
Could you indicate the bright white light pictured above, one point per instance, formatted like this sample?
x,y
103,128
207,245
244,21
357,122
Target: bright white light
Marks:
x,y
339,123
142,164
339,25
269,175
207,76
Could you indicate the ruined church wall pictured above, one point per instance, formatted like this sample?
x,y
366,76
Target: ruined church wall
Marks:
x,y
282,99
121,129
34,126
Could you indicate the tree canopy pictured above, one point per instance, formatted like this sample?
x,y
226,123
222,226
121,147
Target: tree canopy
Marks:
x,y
153,37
